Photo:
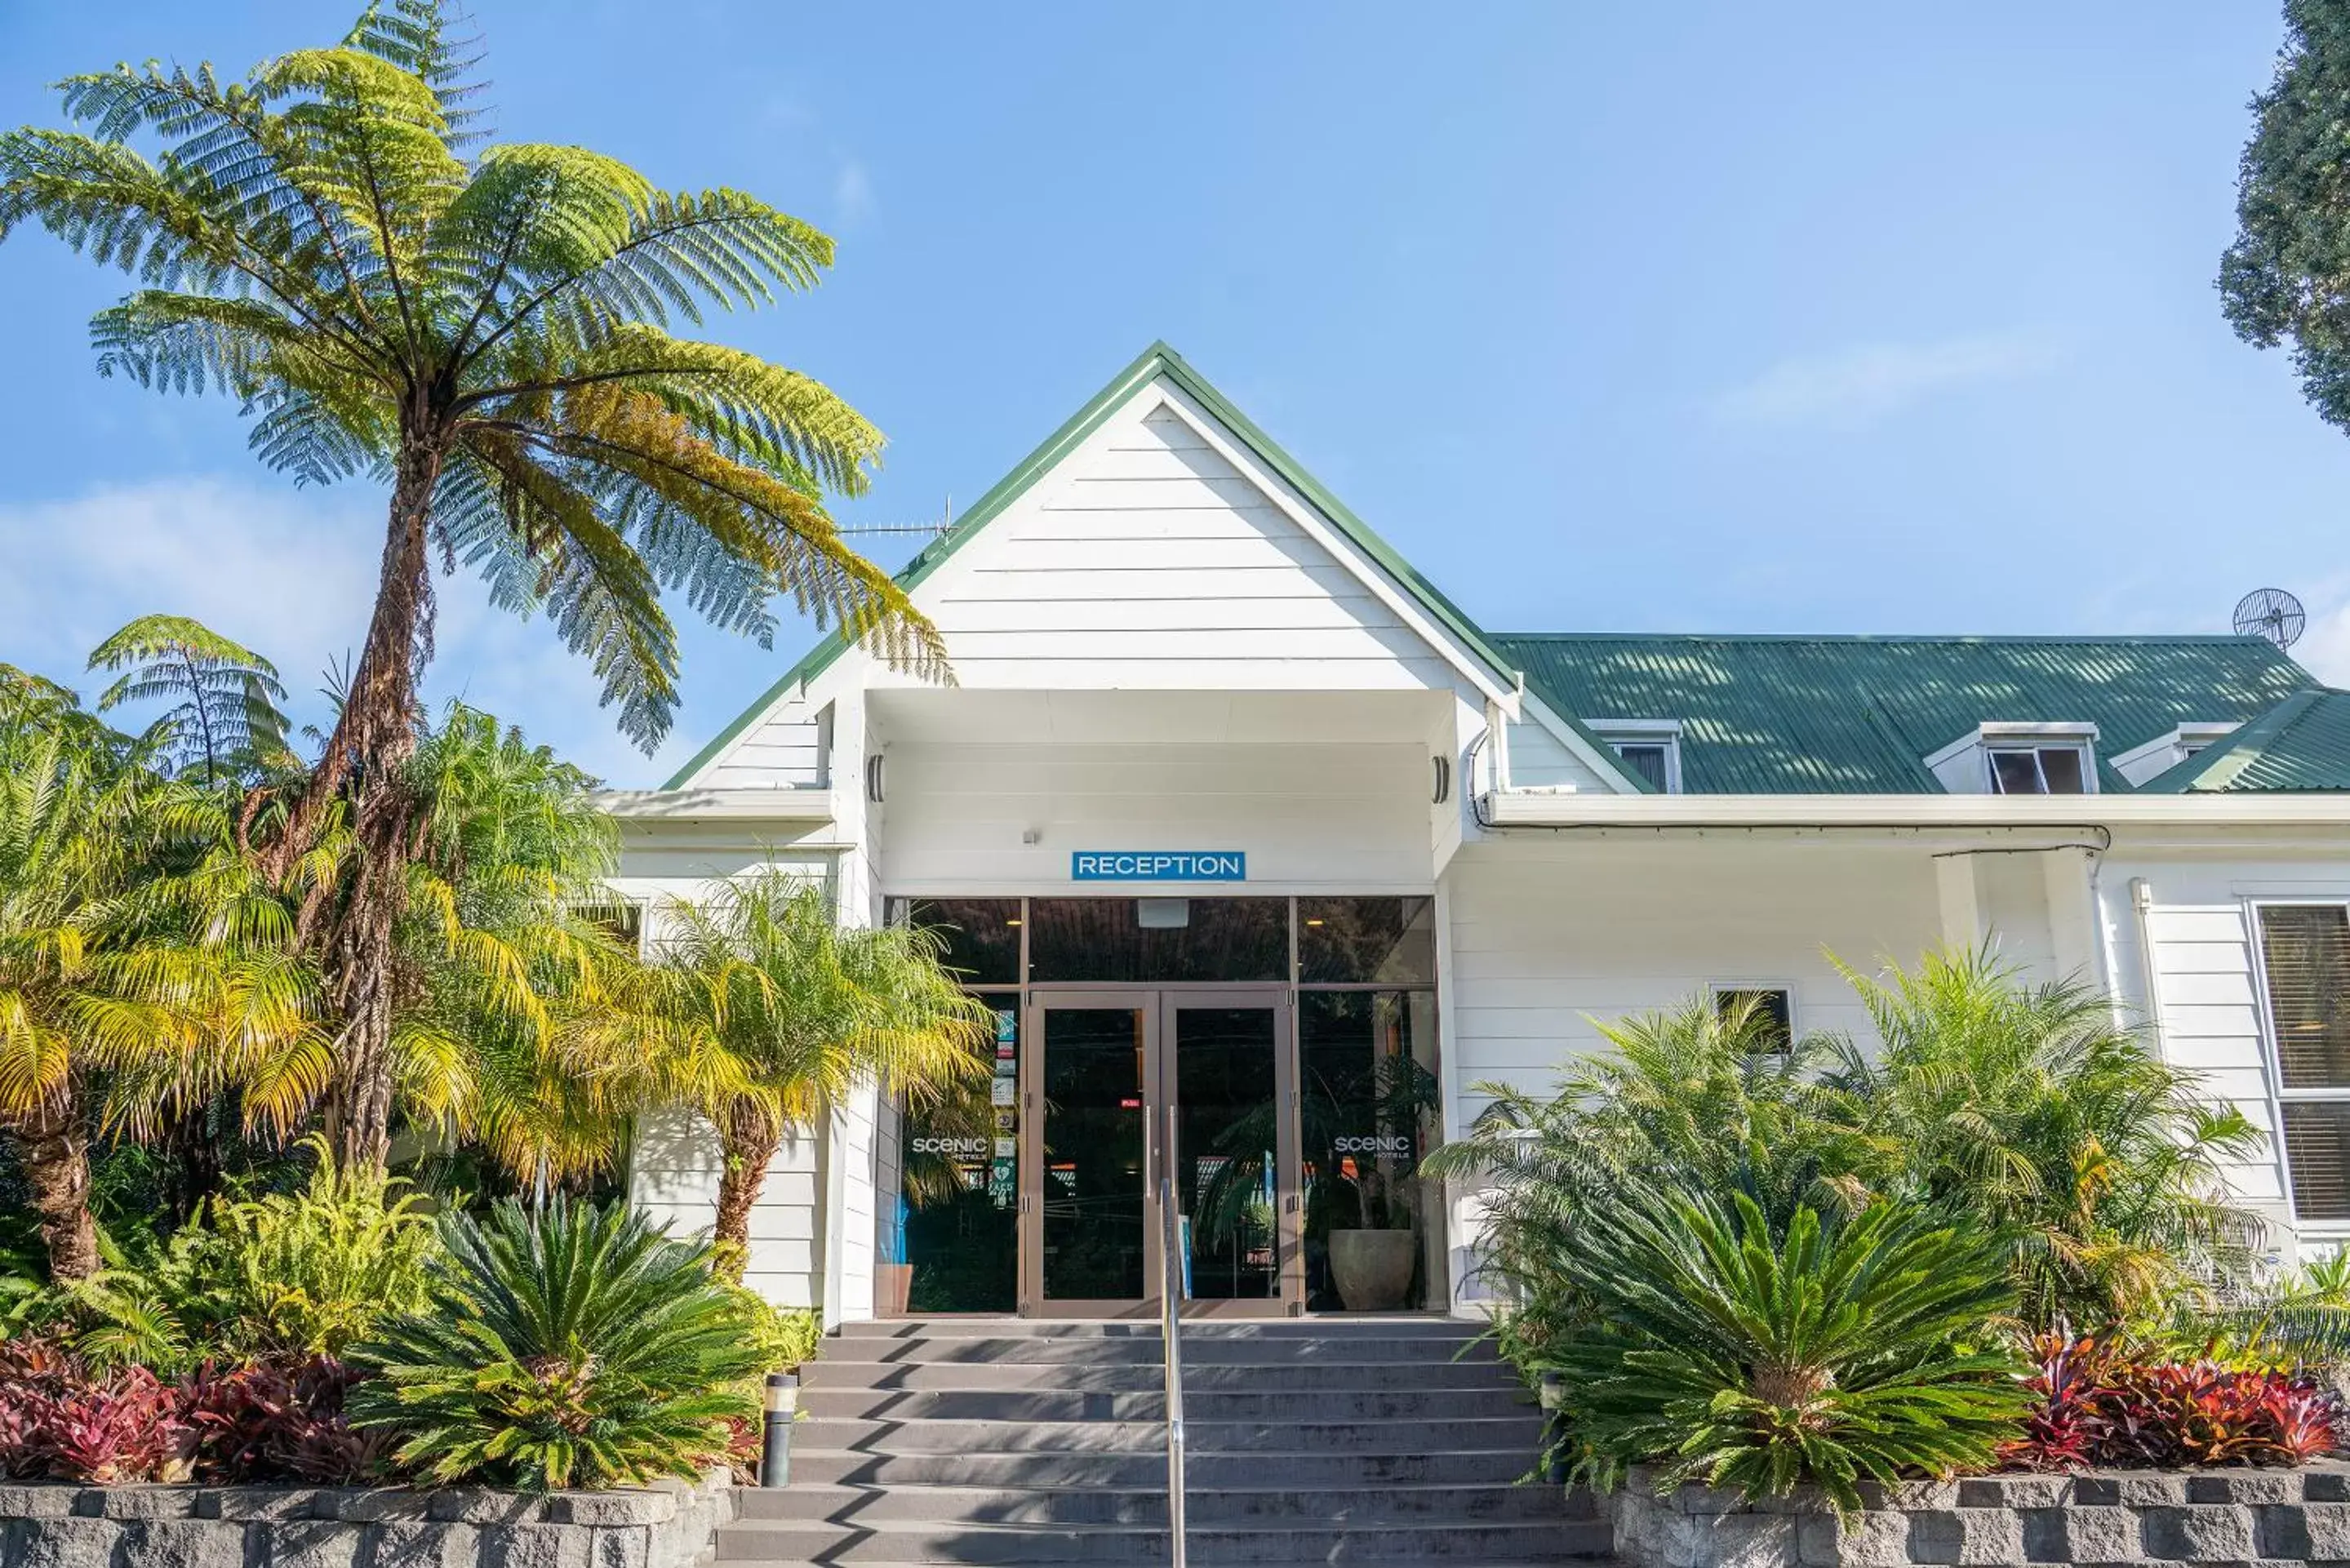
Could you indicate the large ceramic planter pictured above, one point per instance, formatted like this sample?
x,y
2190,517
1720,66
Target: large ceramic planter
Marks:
x,y
1373,1268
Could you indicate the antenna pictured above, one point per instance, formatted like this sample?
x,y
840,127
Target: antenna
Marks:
x,y
2271,613
945,521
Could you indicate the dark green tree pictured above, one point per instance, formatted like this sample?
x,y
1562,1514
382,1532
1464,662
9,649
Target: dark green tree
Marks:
x,y
2286,279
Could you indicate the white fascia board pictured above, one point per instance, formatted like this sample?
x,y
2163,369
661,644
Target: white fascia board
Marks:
x,y
1494,683
1512,808
691,805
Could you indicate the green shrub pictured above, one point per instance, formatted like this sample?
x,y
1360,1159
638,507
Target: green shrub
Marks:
x,y
1829,1354
786,1336
284,1275
573,1346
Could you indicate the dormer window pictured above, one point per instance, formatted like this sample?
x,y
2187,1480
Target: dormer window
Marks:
x,y
2039,770
1648,747
2169,749
2020,759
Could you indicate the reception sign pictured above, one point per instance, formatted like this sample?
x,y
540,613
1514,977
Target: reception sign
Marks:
x,y
1159,865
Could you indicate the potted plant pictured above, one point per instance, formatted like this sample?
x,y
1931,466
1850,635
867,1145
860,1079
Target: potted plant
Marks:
x,y
1373,1223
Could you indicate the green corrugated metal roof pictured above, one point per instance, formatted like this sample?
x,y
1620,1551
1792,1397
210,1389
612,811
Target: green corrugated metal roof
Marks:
x,y
1855,715
2301,744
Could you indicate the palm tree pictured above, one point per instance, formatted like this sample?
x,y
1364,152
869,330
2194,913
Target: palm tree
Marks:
x,y
806,1009
2031,1109
128,990
524,1021
483,329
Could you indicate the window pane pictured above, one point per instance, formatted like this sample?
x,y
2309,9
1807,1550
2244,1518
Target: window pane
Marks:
x,y
1226,1142
1341,941
2060,766
1094,1235
1774,1014
1367,1062
1187,939
2015,773
981,935
2306,950
958,1221
1648,760
2317,1152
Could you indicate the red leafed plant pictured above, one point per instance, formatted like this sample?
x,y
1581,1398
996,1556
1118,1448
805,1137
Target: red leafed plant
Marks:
x,y
60,1422
278,1421
2100,1406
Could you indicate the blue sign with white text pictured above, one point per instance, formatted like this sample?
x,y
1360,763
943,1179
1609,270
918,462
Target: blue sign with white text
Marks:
x,y
1159,865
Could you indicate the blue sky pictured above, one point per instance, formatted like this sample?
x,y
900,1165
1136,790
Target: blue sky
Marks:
x,y
1703,318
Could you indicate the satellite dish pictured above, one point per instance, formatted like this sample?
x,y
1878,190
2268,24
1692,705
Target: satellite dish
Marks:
x,y
2271,613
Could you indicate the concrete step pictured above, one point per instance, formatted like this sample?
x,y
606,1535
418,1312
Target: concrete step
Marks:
x,y
943,1436
1315,1376
1202,1330
781,1541
1079,1405
865,1505
1147,1467
1091,1350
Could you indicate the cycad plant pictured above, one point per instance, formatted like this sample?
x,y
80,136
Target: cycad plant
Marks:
x,y
1695,1096
1724,1350
788,1012
573,1346
483,329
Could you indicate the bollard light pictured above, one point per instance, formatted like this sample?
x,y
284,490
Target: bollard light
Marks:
x,y
1551,1390
783,1408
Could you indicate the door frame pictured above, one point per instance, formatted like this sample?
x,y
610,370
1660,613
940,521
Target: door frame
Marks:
x,y
1154,1008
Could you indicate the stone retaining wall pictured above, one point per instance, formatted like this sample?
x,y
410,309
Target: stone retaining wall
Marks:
x,y
2214,1516
666,1525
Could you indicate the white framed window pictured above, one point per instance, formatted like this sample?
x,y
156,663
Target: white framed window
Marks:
x,y
2005,758
624,919
1774,1002
1650,747
2305,1002
2062,769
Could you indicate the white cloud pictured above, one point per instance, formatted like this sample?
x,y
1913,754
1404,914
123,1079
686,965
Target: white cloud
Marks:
x,y
1854,386
291,575
852,193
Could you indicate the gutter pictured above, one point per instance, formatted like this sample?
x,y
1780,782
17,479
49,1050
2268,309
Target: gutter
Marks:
x,y
2078,814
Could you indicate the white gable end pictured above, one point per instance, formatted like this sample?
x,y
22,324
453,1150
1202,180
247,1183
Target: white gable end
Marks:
x,y
1150,560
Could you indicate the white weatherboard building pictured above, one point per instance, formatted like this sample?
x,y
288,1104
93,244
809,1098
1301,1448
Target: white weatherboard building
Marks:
x,y
1267,856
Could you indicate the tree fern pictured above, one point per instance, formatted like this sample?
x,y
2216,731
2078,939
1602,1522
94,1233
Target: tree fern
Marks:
x,y
486,330
225,723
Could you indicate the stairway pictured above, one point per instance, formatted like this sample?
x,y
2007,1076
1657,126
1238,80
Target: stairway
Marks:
x,y
996,1441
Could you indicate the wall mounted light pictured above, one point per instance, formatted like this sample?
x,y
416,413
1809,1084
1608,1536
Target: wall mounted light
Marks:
x,y
873,778
1443,780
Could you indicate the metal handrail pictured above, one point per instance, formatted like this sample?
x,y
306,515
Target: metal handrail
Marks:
x,y
1171,1306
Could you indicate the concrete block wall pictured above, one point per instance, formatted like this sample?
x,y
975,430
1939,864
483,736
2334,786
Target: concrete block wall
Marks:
x,y
2119,1517
669,1524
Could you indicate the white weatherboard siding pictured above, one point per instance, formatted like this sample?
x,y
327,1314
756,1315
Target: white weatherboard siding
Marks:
x,y
785,750
1549,936
2195,944
1148,560
1540,760
673,1176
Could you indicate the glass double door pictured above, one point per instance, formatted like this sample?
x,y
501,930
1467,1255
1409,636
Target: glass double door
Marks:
x,y
1124,1092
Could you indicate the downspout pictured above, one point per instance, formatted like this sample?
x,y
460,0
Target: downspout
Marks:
x,y
2142,902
